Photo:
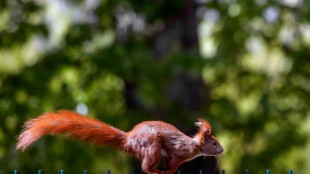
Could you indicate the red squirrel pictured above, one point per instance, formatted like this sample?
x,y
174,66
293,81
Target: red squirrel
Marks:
x,y
148,140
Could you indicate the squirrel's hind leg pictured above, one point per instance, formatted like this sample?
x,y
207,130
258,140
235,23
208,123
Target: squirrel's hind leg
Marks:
x,y
151,157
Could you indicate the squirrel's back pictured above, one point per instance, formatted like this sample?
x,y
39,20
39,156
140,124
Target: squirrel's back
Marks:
x,y
154,135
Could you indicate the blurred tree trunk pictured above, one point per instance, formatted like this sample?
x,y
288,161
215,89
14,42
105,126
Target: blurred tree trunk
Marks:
x,y
181,31
186,89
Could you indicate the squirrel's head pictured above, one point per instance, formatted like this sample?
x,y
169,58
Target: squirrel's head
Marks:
x,y
207,143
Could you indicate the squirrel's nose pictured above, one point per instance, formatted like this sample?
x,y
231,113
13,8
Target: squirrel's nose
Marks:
x,y
219,149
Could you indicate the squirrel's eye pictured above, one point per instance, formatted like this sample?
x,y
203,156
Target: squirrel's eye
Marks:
x,y
213,143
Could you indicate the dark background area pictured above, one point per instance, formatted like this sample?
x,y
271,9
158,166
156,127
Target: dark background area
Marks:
x,y
243,65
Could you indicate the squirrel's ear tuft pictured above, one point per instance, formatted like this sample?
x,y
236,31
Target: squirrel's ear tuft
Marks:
x,y
204,126
198,123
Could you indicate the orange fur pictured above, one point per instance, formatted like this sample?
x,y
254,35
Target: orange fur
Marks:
x,y
78,126
148,140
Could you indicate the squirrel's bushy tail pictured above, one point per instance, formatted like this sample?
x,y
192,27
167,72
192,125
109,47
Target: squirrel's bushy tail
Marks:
x,y
77,126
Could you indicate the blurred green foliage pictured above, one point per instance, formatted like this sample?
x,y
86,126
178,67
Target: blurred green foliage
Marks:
x,y
248,74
